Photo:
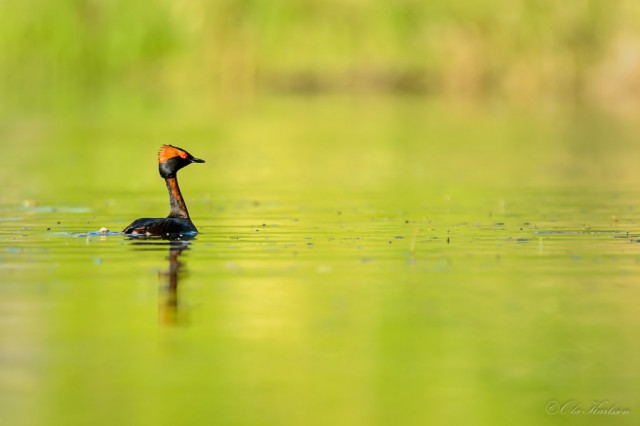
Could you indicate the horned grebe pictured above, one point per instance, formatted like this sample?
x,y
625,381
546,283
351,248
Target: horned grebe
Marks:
x,y
170,160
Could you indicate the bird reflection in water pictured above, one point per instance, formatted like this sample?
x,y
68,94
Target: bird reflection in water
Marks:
x,y
168,297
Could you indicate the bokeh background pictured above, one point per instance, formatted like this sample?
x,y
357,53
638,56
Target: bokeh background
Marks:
x,y
87,51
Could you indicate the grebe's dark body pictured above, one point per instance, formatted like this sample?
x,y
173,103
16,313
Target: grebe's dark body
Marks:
x,y
161,226
170,160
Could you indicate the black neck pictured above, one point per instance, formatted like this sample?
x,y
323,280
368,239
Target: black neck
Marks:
x,y
178,207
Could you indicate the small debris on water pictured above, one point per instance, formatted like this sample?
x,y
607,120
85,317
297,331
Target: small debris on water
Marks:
x,y
104,230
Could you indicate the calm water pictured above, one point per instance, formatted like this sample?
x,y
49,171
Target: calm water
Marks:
x,y
359,262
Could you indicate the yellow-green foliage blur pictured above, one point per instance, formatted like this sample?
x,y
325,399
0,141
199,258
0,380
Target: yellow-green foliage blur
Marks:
x,y
517,49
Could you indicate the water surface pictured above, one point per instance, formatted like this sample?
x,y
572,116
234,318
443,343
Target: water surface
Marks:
x,y
359,262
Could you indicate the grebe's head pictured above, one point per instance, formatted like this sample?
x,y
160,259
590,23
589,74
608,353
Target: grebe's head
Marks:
x,y
171,159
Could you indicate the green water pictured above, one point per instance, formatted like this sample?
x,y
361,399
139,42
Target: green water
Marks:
x,y
360,262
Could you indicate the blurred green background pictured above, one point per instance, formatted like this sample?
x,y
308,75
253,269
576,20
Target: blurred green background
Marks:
x,y
70,51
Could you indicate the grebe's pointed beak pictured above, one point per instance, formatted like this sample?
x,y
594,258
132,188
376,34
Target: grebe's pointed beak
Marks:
x,y
197,160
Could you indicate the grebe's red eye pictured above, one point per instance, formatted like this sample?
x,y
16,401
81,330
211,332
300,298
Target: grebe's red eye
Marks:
x,y
183,155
